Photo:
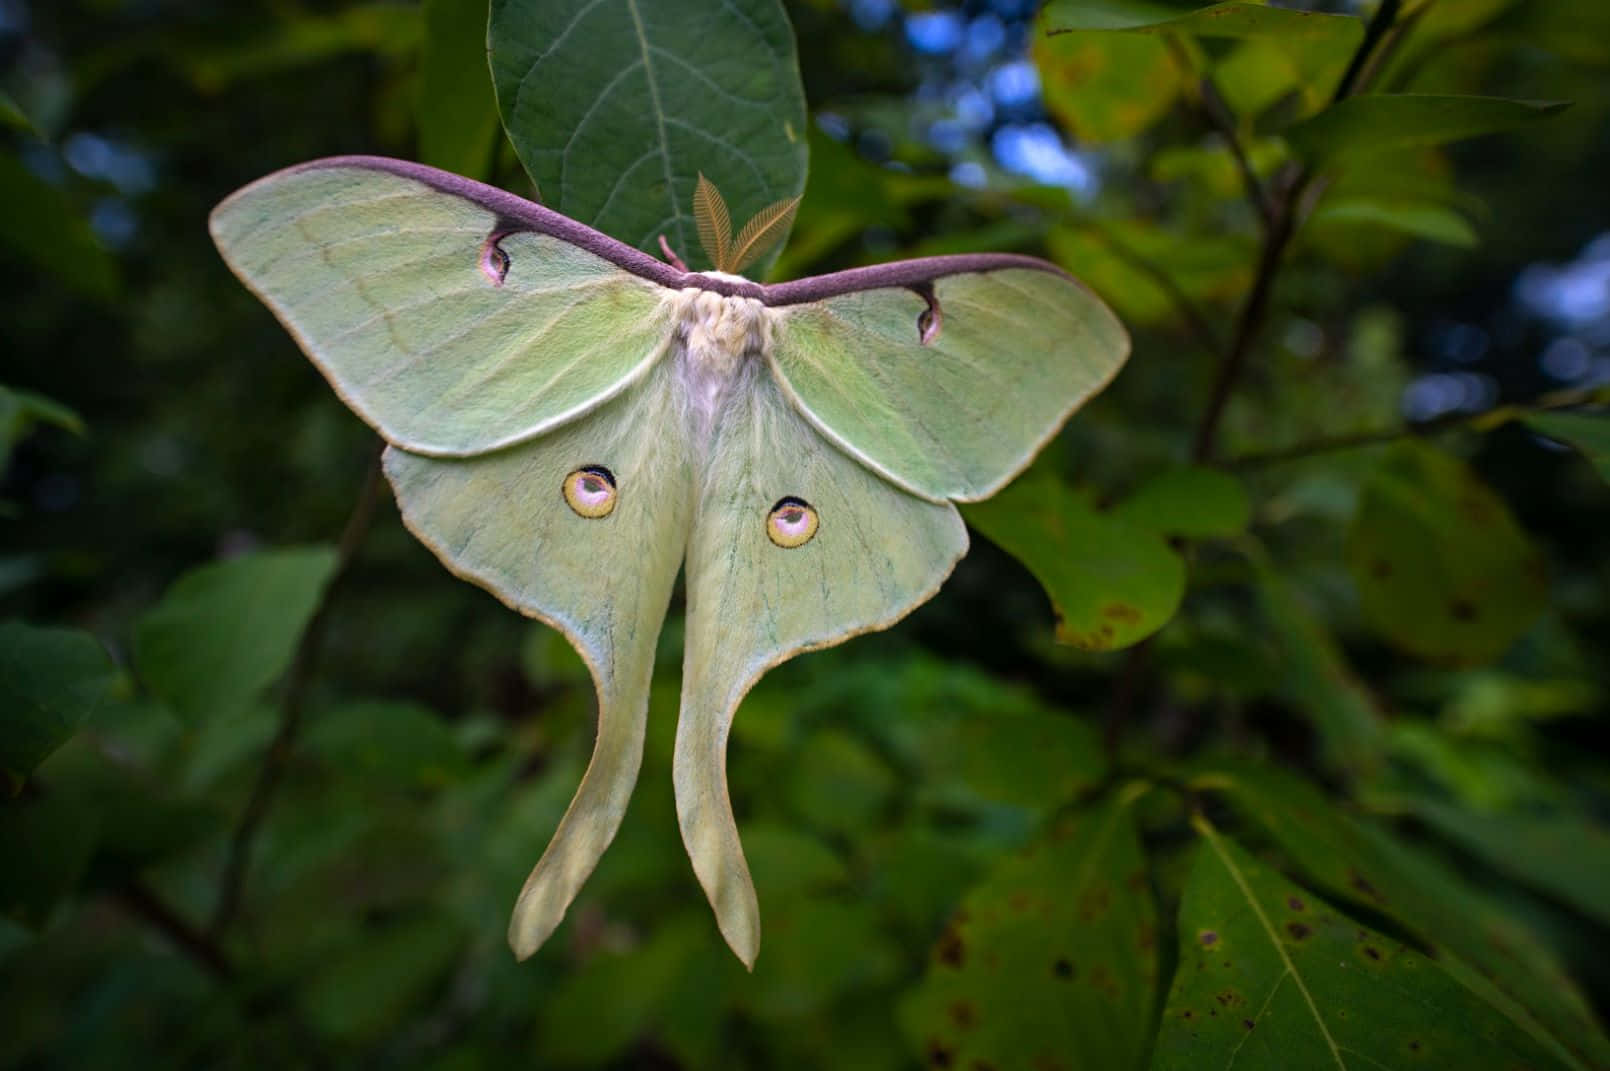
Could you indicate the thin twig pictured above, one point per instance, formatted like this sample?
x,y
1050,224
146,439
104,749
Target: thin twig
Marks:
x,y
233,881
1484,420
142,902
1210,105
1287,209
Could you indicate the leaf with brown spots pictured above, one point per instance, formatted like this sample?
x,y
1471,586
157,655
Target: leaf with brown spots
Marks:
x,y
1112,582
1442,568
1047,964
1473,939
1309,994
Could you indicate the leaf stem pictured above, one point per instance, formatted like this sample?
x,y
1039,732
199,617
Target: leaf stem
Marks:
x,y
232,883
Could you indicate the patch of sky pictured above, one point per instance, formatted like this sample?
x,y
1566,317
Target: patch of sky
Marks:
x,y
971,174
1036,151
109,160
113,221
935,33
13,17
1570,295
1440,393
872,15
1015,85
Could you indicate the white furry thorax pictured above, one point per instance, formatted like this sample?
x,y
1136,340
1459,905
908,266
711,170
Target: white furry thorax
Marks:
x,y
718,336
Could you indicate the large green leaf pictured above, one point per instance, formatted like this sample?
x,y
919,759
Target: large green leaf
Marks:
x,y
41,227
226,631
458,112
1358,862
1051,960
1380,122
1271,977
1441,566
1112,582
616,106
1588,432
51,681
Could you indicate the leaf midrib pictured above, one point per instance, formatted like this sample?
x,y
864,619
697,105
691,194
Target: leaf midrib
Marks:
x,y
1211,836
659,117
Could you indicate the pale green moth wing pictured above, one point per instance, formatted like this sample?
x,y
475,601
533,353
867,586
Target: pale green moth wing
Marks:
x,y
795,546
505,521
569,419
437,307
949,387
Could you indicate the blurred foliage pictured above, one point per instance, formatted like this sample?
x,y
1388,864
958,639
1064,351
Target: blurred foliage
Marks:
x,y
272,777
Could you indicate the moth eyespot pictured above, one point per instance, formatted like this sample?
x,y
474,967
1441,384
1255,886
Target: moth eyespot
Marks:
x,y
590,491
791,523
494,261
929,321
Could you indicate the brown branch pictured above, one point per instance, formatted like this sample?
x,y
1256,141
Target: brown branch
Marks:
x,y
233,881
1286,210
143,903
1483,421
1210,105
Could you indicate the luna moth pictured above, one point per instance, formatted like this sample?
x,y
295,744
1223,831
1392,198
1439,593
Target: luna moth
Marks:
x,y
570,422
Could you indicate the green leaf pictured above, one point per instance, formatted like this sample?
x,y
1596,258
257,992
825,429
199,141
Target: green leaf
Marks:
x,y
1314,676
1271,977
364,992
1362,126
1103,87
21,411
817,951
1360,863
1239,20
51,681
1191,501
1589,433
1563,855
41,226
297,39
11,115
389,742
1442,569
458,112
1113,260
1022,759
225,631
46,842
1112,582
838,784
1051,960
1416,218
616,106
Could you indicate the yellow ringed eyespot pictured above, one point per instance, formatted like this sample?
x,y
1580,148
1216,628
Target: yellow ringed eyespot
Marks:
x,y
791,523
590,491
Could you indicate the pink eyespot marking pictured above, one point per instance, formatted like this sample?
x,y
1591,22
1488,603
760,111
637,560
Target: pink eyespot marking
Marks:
x,y
791,523
590,491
